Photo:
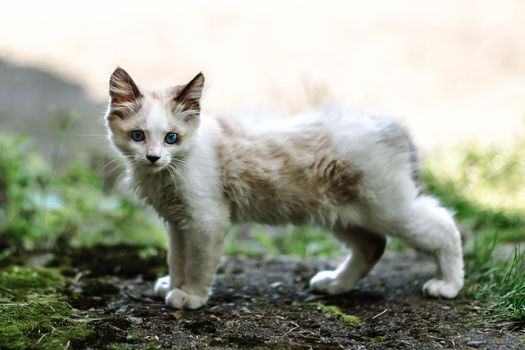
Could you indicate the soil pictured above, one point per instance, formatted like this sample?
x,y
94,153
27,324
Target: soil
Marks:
x,y
266,303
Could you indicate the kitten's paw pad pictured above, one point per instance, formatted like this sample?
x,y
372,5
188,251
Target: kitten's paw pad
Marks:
x,y
329,283
179,299
441,289
162,287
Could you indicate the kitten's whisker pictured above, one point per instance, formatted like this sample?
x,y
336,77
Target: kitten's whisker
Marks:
x,y
177,171
179,163
106,165
122,173
114,168
168,168
173,170
175,166
104,174
90,135
97,136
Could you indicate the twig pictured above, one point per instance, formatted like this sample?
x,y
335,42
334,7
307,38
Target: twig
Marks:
x,y
380,314
77,278
42,337
292,329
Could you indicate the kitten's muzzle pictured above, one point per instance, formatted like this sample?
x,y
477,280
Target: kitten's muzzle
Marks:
x,y
152,159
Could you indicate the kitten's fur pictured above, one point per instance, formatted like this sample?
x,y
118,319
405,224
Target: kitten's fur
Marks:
x,y
350,173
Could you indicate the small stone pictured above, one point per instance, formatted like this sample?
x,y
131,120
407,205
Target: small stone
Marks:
x,y
475,343
237,270
148,293
312,298
135,320
325,332
505,252
276,284
176,314
122,310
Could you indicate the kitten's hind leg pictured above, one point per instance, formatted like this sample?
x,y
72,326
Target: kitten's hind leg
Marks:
x,y
426,226
176,276
366,248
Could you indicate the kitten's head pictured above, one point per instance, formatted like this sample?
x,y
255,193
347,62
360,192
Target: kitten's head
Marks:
x,y
152,128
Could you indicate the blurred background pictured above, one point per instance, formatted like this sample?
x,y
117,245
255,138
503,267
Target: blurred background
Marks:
x,y
452,70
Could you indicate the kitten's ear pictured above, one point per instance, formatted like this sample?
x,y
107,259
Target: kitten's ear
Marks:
x,y
122,88
190,95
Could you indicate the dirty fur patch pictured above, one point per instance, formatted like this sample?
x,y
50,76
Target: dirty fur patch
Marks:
x,y
296,174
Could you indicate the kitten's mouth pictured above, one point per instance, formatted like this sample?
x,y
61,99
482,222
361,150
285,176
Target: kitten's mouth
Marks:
x,y
155,168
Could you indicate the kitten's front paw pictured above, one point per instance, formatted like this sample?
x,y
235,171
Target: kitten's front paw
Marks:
x,y
162,286
329,283
179,299
441,289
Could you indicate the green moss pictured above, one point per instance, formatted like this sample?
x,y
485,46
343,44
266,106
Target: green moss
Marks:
x,y
19,278
349,320
377,340
39,324
34,312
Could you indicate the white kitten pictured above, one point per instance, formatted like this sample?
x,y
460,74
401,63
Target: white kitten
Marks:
x,y
349,173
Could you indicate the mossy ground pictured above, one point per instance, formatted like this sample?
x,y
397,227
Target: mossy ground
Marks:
x,y
78,302
34,310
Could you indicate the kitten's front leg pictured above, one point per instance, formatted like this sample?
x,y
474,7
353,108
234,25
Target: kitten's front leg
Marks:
x,y
202,252
176,276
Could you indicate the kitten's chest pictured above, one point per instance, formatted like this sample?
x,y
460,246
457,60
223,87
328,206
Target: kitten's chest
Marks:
x,y
164,195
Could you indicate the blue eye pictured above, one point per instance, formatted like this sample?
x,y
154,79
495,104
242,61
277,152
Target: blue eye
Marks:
x,y
171,138
137,135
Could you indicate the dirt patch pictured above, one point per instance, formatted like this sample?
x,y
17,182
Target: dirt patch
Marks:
x,y
266,303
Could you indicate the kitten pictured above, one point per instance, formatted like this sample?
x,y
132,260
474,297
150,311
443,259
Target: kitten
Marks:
x,y
349,173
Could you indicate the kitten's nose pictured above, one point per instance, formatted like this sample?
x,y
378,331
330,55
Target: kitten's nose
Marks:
x,y
153,159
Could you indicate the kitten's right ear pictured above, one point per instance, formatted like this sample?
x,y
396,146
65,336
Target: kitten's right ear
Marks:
x,y
122,89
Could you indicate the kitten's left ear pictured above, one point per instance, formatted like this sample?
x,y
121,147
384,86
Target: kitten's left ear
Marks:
x,y
191,94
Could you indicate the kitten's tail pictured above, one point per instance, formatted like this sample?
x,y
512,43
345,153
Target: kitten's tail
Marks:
x,y
414,161
397,135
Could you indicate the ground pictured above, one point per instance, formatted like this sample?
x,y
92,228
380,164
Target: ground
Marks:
x,y
259,302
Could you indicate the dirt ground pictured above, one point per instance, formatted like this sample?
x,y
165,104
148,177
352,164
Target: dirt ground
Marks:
x,y
266,303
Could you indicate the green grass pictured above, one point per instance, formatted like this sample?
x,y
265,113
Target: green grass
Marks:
x,y
485,187
490,177
40,206
300,242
